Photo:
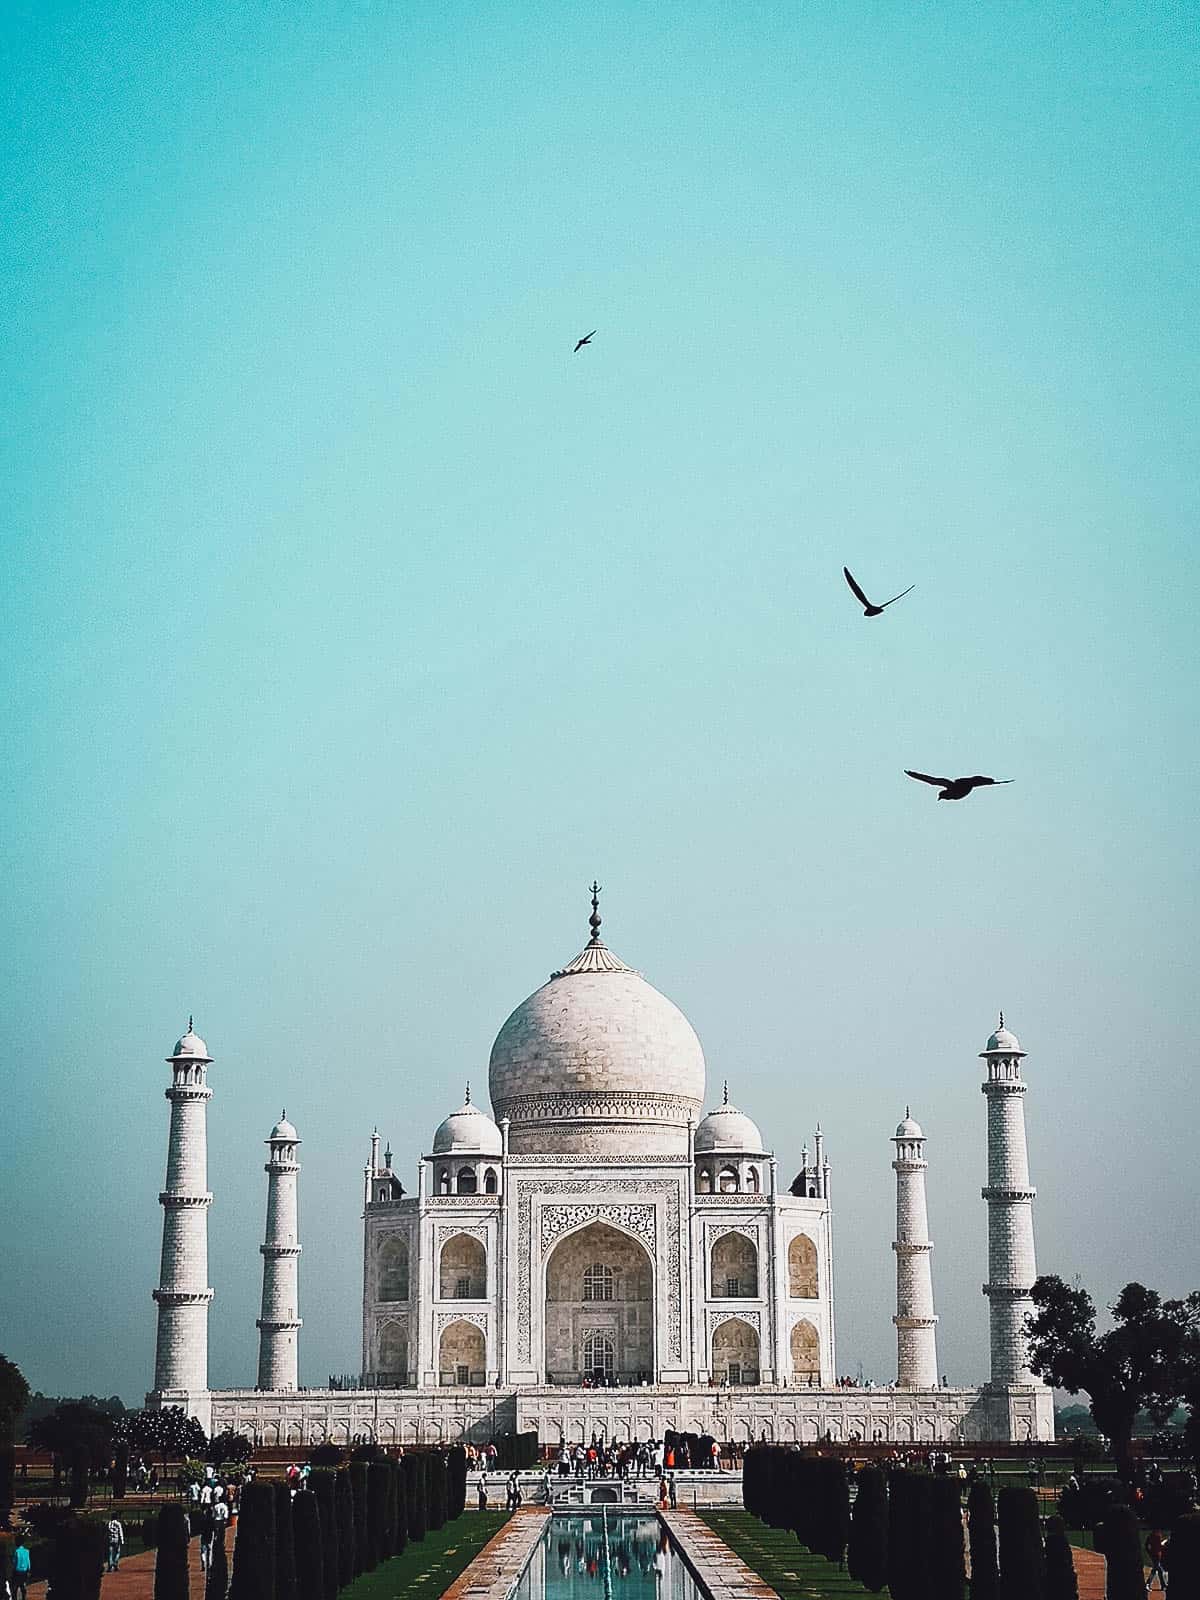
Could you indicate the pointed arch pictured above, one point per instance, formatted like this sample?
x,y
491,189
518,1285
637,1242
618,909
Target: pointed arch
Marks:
x,y
734,1264
805,1346
462,1268
803,1282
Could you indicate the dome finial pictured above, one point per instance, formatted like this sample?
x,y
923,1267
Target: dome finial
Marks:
x,y
1002,1019
725,1096
907,1113
594,919
190,1028
467,1101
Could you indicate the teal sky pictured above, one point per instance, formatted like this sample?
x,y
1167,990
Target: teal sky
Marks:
x,y
351,623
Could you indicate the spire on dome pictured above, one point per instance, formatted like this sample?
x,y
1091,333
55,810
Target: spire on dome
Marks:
x,y
467,1101
595,955
594,919
725,1096
1002,1019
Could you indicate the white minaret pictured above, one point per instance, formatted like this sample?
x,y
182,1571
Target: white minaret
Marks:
x,y
916,1324
181,1357
279,1324
1012,1268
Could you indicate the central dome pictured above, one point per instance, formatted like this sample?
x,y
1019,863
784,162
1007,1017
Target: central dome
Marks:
x,y
596,1060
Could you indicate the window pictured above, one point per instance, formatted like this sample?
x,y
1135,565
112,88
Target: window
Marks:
x,y
733,1288
802,1268
462,1376
735,1372
444,1181
599,1356
727,1180
393,1269
598,1282
466,1180
489,1182
705,1180
462,1289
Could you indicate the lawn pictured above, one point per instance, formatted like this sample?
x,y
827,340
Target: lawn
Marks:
x,y
780,1560
430,1567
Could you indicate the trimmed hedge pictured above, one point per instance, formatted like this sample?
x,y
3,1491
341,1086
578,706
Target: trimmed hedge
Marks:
x,y
1022,1559
254,1552
377,1497
414,1496
285,1549
344,1503
321,1482
981,1528
216,1583
1184,1555
171,1581
306,1539
1120,1541
868,1544
947,1570
1061,1582
358,1482
456,1494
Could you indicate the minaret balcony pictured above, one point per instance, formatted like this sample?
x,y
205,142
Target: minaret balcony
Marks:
x,y
182,1297
995,1191
275,1250
175,1201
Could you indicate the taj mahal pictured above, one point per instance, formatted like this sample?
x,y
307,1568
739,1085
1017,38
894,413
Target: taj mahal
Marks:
x,y
600,1255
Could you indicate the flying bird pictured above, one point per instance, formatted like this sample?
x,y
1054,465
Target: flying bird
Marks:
x,y
868,609
587,339
955,788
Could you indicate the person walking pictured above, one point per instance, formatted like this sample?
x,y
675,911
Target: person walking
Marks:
x,y
20,1570
116,1543
671,1490
1155,1548
483,1503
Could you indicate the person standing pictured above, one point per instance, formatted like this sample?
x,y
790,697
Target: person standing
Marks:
x,y
1155,1547
671,1490
483,1503
116,1543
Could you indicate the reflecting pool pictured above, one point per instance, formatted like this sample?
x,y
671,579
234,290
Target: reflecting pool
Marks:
x,y
578,1552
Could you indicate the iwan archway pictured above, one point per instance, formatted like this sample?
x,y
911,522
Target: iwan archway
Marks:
x,y
599,1309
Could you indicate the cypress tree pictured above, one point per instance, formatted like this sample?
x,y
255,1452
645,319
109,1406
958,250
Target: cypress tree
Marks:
x,y
1119,1539
947,1572
321,1483
397,1472
171,1562
899,1501
456,1483
306,1536
254,1552
436,1466
93,1549
377,1481
344,1500
868,1551
362,1548
833,1529
285,1550
414,1491
1061,1582
216,1583
1022,1560
1184,1555
981,1523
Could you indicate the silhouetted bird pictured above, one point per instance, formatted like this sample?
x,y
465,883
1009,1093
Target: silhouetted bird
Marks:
x,y
587,339
868,609
955,788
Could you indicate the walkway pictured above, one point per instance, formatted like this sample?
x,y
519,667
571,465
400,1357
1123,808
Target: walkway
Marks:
x,y
135,1578
724,1574
502,1560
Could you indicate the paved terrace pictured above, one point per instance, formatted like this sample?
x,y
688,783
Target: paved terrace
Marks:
x,y
724,1575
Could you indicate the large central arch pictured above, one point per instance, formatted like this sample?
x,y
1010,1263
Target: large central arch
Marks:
x,y
599,1294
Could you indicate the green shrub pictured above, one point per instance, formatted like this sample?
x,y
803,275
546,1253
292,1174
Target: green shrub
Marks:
x,y
947,1572
414,1496
306,1535
1120,1542
254,1551
344,1502
377,1482
1022,1560
867,1556
908,1535
358,1482
435,1464
1061,1582
322,1485
285,1553
456,1492
981,1530
171,1580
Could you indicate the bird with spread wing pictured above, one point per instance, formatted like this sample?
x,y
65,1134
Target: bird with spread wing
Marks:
x,y
587,339
956,788
870,610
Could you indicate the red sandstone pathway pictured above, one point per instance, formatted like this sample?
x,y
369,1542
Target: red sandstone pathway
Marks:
x,y
134,1580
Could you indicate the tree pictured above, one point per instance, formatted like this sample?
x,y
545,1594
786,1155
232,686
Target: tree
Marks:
x,y
322,1485
1184,1555
14,1397
344,1502
1061,1582
867,1558
981,1531
171,1559
80,1433
216,1585
362,1545
414,1496
377,1477
1137,1365
231,1447
285,1550
1022,1560
169,1432
306,1525
1120,1542
254,1551
457,1483
947,1573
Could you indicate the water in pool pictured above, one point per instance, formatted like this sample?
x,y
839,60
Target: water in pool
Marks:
x,y
571,1561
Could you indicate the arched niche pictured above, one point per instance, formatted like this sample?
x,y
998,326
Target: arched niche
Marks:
x,y
802,1268
462,1269
734,1264
599,1281
735,1357
462,1355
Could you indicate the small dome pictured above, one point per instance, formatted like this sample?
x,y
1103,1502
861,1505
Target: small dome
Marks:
x,y
728,1129
284,1130
909,1128
468,1131
1003,1041
191,1045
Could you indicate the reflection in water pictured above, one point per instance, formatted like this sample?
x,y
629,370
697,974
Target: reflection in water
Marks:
x,y
569,1561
